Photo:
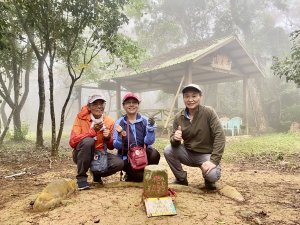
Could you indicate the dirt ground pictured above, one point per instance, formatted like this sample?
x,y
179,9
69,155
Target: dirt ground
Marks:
x,y
272,196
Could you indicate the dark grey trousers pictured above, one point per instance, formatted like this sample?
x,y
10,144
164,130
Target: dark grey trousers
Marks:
x,y
83,155
153,157
175,156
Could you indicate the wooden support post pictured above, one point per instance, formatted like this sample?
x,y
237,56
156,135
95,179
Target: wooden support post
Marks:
x,y
176,105
173,103
118,99
189,73
245,104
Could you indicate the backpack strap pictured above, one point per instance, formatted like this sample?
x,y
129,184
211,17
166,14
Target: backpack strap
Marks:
x,y
128,135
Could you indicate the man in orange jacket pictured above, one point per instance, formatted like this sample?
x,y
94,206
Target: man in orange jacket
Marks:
x,y
92,131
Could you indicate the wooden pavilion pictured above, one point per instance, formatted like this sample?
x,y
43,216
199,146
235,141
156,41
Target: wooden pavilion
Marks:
x,y
215,61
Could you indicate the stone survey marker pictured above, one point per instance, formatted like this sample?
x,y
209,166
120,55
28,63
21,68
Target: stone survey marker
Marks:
x,y
157,201
155,181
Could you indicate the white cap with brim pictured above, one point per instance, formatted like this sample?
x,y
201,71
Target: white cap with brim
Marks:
x,y
191,86
95,98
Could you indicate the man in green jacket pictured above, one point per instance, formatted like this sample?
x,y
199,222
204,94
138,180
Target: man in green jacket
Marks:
x,y
203,140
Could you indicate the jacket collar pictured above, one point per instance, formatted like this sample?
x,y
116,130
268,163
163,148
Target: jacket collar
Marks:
x,y
185,112
138,118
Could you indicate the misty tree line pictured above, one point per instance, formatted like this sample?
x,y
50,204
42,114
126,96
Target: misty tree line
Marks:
x,y
76,33
263,26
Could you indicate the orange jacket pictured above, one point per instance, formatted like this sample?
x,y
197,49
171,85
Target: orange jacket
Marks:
x,y
82,129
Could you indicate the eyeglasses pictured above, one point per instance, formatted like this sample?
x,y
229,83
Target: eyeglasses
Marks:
x,y
131,102
98,103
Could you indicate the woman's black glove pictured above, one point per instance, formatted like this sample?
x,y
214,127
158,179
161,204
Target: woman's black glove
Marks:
x,y
151,121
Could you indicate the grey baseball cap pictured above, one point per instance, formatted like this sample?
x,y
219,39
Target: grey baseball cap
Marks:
x,y
191,86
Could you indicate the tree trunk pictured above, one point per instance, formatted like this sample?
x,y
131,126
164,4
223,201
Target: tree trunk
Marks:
x,y
41,112
16,71
62,116
28,63
6,127
17,117
54,148
3,113
245,26
18,135
257,107
3,104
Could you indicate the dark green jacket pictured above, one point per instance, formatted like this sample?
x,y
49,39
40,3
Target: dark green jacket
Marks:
x,y
204,134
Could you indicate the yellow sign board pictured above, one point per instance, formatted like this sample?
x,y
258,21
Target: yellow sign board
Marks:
x,y
221,62
160,206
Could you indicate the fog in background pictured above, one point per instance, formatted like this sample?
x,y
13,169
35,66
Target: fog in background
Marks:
x,y
173,24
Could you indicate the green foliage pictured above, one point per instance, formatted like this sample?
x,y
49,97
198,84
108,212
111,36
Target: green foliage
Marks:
x,y
126,52
90,40
3,25
8,135
289,67
135,8
21,135
74,32
166,34
25,128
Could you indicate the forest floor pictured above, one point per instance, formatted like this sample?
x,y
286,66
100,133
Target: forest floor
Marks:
x,y
272,194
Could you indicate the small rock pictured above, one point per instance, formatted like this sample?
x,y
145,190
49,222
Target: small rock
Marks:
x,y
247,214
257,221
262,213
283,163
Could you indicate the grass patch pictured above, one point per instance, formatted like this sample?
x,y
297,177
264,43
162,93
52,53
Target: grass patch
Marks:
x,y
160,144
276,145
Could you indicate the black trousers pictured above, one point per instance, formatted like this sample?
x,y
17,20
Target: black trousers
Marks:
x,y
153,157
83,155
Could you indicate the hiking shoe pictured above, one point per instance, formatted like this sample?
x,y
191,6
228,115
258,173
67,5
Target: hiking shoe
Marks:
x,y
83,185
210,185
181,182
97,179
128,178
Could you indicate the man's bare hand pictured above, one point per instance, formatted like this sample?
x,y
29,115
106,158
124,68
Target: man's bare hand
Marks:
x,y
98,126
207,166
106,133
178,134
